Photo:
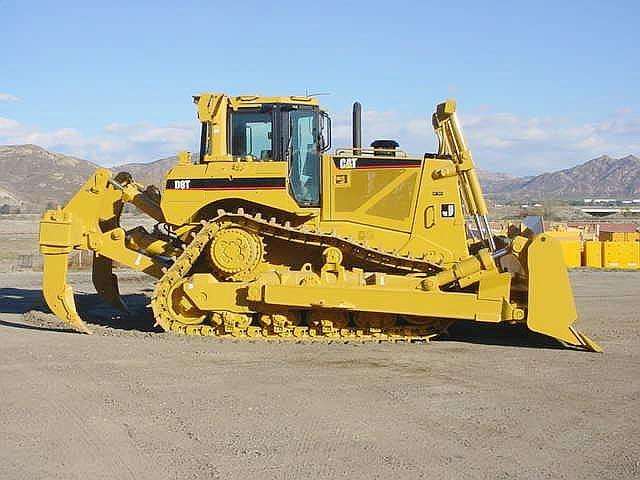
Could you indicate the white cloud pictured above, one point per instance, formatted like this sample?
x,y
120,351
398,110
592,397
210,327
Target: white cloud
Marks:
x,y
530,145
115,144
507,142
500,141
7,97
8,125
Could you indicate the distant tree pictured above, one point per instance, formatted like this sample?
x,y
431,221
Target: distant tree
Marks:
x,y
6,209
551,210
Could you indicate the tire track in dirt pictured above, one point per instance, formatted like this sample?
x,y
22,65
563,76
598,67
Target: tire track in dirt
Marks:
x,y
111,454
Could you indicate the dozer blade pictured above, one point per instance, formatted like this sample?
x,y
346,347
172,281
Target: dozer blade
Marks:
x,y
59,295
106,282
552,310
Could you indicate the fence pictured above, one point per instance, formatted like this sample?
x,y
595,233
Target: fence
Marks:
x,y
78,260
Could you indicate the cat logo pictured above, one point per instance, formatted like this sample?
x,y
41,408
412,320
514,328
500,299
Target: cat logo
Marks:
x,y
348,163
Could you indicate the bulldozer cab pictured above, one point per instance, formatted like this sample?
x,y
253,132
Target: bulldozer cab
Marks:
x,y
292,130
378,186
273,153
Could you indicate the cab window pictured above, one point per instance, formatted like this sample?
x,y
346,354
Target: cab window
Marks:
x,y
252,135
304,166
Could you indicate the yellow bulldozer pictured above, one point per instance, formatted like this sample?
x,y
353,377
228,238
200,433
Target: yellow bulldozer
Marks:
x,y
267,234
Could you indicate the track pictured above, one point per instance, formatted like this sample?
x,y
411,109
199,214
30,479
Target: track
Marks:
x,y
307,236
280,327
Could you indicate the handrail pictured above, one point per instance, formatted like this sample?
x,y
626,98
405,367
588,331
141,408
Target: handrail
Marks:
x,y
372,151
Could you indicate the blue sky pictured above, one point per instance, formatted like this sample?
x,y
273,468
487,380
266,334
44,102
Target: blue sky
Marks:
x,y
540,85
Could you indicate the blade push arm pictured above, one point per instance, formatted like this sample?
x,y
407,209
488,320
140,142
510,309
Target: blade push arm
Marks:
x,y
447,128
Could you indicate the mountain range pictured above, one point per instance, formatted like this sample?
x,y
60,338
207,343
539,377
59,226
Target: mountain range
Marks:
x,y
601,176
35,178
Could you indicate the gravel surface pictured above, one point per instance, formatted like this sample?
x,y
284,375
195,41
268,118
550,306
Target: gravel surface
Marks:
x,y
132,402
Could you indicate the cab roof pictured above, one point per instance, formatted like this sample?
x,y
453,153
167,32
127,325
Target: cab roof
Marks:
x,y
244,101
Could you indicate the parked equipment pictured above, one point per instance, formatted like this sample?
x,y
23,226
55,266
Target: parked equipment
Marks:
x,y
268,235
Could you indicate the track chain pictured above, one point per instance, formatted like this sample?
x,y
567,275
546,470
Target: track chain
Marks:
x,y
183,264
309,236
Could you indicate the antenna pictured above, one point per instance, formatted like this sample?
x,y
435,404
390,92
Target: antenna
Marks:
x,y
318,94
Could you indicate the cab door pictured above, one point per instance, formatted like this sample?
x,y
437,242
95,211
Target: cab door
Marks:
x,y
303,153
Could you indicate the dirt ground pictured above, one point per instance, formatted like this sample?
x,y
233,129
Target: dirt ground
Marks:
x,y
130,402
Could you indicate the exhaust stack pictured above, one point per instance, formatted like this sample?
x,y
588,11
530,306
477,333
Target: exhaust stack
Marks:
x,y
357,128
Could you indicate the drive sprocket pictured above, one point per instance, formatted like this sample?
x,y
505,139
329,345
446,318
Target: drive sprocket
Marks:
x,y
235,253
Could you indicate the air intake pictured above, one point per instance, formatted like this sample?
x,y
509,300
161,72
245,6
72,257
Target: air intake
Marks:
x,y
385,148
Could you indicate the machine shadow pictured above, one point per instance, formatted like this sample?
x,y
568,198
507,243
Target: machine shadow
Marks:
x,y
92,309
502,335
21,300
96,312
